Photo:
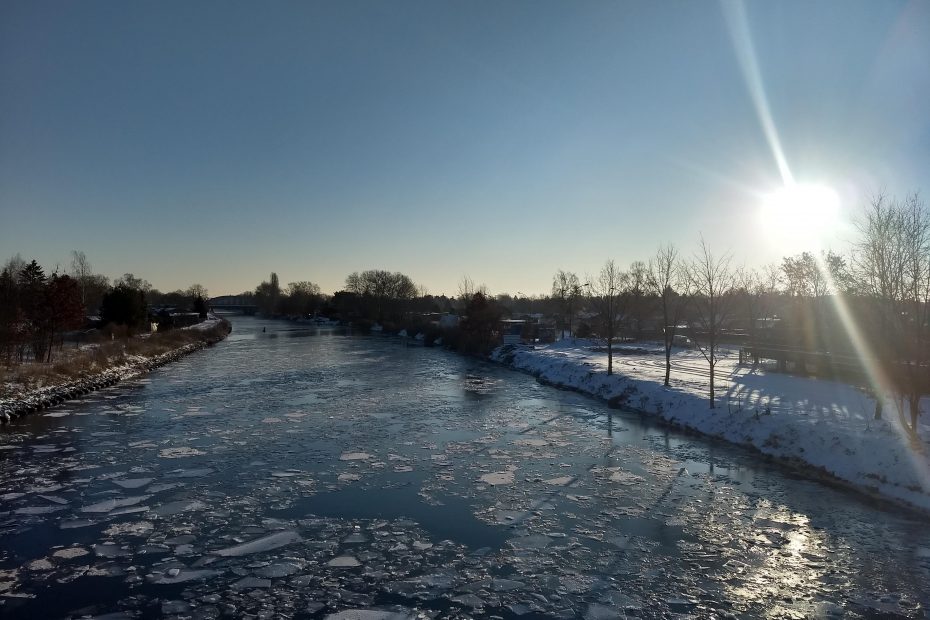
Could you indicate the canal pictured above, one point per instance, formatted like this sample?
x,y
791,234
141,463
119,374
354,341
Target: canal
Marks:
x,y
295,472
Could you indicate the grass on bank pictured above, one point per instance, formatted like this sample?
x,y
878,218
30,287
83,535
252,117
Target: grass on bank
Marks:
x,y
110,348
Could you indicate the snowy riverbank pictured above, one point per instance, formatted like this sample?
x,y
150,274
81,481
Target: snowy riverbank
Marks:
x,y
212,331
818,426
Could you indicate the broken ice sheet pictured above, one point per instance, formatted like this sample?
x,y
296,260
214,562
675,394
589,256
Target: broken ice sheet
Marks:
x,y
70,553
133,528
280,569
132,483
372,614
177,453
110,504
354,456
344,561
176,507
497,478
190,473
38,510
265,543
176,575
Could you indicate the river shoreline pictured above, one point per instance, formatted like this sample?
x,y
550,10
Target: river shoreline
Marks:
x,y
908,498
50,396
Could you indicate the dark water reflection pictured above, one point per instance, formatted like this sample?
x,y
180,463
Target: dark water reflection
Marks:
x,y
299,472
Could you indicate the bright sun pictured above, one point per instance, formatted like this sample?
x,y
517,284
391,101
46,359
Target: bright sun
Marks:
x,y
800,214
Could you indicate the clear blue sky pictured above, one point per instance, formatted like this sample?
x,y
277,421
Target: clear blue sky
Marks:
x,y
217,141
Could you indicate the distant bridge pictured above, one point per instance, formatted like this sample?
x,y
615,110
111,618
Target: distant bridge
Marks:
x,y
234,303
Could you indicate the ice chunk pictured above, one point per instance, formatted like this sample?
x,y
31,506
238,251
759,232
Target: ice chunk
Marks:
x,y
190,473
354,456
109,550
535,541
133,483
180,576
344,561
138,528
38,510
265,543
178,453
251,582
601,612
371,614
497,478
40,565
55,499
119,502
70,552
173,508
281,569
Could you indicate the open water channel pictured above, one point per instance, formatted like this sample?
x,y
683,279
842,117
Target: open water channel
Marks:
x,y
293,472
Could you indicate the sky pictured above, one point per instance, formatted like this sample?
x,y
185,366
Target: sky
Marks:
x,y
216,142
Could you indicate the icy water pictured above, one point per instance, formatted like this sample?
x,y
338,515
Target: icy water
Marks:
x,y
303,473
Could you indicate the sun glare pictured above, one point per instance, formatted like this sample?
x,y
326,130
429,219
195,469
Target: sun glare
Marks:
x,y
800,214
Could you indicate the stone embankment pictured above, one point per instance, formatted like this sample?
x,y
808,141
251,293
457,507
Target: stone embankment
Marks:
x,y
50,396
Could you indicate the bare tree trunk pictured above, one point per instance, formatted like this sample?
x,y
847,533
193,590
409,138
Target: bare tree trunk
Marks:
x,y
712,363
668,362
610,352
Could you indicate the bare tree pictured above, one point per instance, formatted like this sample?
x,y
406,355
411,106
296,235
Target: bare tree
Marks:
x,y
81,271
606,290
638,291
468,289
666,282
890,267
755,290
711,280
566,290
197,290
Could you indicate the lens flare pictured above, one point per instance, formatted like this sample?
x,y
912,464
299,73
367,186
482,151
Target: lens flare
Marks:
x,y
800,214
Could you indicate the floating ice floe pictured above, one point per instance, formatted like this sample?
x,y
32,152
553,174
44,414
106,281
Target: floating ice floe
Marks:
x,y
371,614
70,552
182,575
251,582
190,473
279,569
177,453
111,504
354,456
38,510
134,528
132,483
265,543
497,478
173,508
40,565
344,561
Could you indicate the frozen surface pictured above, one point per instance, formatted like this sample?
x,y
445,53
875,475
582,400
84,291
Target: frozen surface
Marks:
x,y
825,424
297,474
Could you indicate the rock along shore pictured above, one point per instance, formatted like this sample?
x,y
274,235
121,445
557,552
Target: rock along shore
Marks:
x,y
49,396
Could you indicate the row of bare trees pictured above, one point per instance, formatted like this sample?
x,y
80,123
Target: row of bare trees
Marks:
x,y
37,308
704,285
873,303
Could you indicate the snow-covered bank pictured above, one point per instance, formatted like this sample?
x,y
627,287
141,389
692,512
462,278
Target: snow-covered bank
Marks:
x,y
818,426
49,396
